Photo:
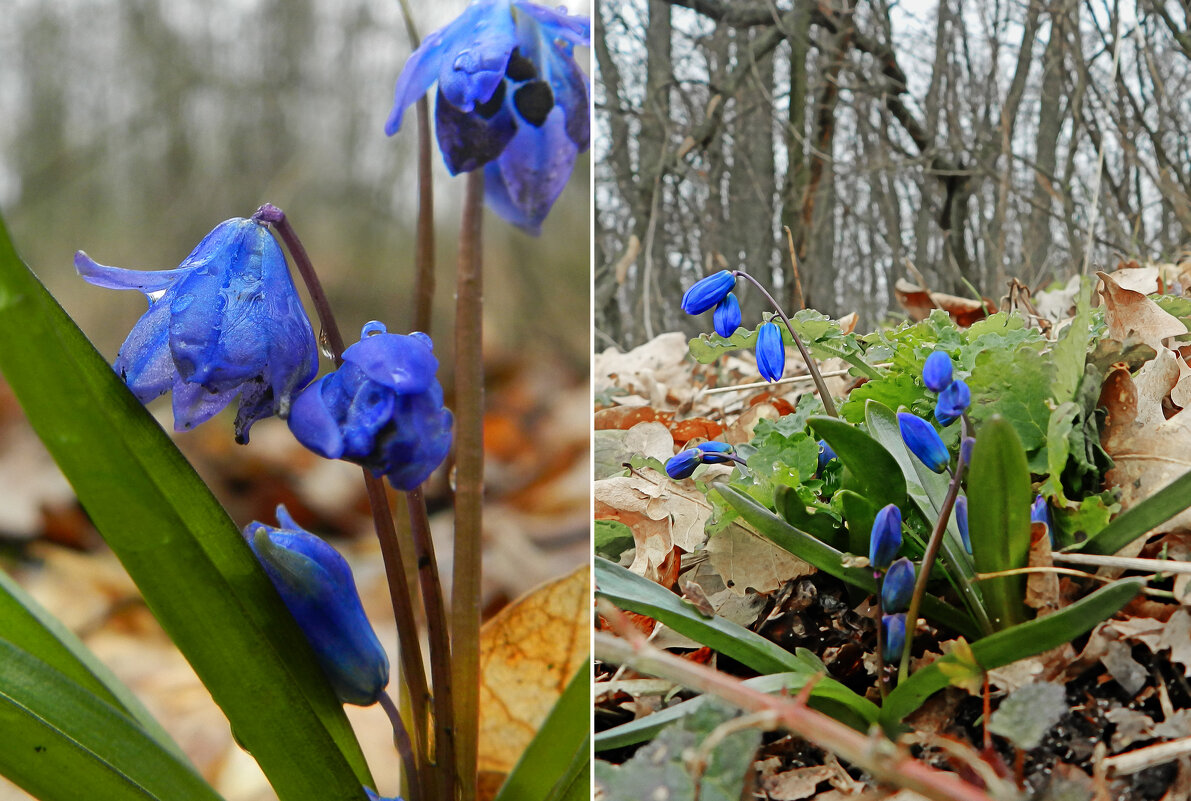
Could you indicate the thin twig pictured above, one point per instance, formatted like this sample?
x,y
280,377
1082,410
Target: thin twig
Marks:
x,y
469,484
794,265
811,365
403,744
880,757
439,637
1125,563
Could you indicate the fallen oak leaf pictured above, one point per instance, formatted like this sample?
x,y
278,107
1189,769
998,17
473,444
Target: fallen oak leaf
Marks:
x,y
1131,313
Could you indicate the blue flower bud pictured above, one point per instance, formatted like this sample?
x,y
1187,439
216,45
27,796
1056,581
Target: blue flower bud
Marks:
x,y
961,520
382,409
886,538
707,292
727,316
1040,513
317,587
936,373
898,586
923,441
771,353
826,454
715,452
965,450
893,627
952,403
511,99
683,464
226,324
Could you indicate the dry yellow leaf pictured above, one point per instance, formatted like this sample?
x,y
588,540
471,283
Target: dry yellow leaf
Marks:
x,y
528,653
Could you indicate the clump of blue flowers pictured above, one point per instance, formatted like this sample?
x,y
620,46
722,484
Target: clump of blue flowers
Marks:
x,y
511,99
382,409
316,584
954,395
227,323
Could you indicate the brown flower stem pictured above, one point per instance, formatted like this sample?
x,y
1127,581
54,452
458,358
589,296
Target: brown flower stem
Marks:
x,y
403,745
884,760
811,365
880,639
399,591
469,484
439,637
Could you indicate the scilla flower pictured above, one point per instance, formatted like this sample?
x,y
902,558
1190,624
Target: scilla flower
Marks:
x,y
923,441
936,373
961,520
381,409
683,464
727,316
511,99
317,587
898,586
952,403
771,352
708,292
894,629
826,454
226,323
886,538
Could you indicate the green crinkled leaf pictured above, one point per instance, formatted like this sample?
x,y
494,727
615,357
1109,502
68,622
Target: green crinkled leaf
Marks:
x,y
612,538
1179,307
1070,353
895,390
1015,384
1088,519
660,770
1028,713
822,336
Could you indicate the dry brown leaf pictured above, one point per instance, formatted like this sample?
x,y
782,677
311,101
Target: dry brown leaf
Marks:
x,y
1148,450
1136,278
918,303
1130,313
793,785
1042,589
528,653
746,560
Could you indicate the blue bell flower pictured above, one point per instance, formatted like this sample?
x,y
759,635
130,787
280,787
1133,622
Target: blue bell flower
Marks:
x,y
936,373
826,454
708,292
966,445
923,441
952,402
886,538
382,409
317,587
715,452
771,352
961,520
683,464
511,100
727,316
226,324
374,796
893,627
898,586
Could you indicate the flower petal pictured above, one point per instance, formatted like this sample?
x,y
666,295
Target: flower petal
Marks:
x,y
144,362
536,166
404,364
468,140
147,281
478,44
312,422
575,29
193,404
557,67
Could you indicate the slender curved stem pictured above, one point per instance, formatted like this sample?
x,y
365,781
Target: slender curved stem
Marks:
x,y
403,745
399,591
880,576
811,365
439,636
469,484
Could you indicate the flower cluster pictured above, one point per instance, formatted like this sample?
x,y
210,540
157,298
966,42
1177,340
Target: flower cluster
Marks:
x,y
382,409
511,100
317,587
715,292
897,586
683,464
227,323
954,395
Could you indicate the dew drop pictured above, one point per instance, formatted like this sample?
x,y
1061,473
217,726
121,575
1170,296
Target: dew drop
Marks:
x,y
324,345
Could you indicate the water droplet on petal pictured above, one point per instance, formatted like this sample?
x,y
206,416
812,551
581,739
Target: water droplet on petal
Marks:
x,y
324,345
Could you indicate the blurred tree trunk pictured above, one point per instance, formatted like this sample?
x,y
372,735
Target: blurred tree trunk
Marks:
x,y
797,170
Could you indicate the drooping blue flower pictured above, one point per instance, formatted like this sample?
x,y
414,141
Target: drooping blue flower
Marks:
x,y
771,352
826,454
708,292
886,538
898,586
317,587
225,323
952,402
936,373
715,452
961,520
511,99
923,441
893,627
727,316
683,464
383,408
965,450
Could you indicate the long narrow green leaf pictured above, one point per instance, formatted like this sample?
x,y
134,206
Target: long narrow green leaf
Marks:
x,y
999,518
1139,519
62,742
928,489
558,751
186,556
871,471
1010,645
28,626
834,704
638,594
828,559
